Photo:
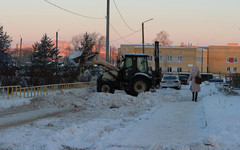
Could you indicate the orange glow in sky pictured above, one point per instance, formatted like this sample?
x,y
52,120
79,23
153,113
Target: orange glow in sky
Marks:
x,y
200,22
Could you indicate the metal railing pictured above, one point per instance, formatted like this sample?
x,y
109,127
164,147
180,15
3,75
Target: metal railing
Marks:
x,y
8,92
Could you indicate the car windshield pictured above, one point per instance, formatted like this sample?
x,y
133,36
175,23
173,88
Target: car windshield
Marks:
x,y
170,77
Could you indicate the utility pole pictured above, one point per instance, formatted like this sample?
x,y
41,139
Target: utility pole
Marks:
x,y
110,53
107,30
20,53
57,40
202,62
143,37
143,33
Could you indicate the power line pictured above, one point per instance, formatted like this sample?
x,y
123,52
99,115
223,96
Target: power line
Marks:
x,y
122,17
71,11
119,33
123,37
127,35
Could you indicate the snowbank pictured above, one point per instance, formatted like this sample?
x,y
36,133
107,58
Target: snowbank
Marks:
x,y
117,121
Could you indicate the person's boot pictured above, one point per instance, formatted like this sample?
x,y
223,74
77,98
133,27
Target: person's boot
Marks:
x,y
193,96
196,96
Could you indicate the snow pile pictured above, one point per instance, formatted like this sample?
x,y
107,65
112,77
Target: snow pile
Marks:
x,y
82,98
163,120
85,77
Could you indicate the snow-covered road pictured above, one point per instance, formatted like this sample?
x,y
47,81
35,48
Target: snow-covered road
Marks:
x,y
163,120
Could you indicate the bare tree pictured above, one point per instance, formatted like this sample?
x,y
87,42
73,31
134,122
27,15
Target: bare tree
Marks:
x,y
163,38
113,55
99,40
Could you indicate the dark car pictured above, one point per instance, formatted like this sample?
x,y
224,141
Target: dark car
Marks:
x,y
183,79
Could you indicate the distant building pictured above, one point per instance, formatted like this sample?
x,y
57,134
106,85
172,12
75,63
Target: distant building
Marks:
x,y
64,48
172,59
113,54
24,46
224,59
212,59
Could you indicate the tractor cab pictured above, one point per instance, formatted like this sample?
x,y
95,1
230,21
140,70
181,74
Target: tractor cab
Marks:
x,y
133,64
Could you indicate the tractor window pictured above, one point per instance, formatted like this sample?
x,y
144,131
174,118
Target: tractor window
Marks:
x,y
142,64
128,62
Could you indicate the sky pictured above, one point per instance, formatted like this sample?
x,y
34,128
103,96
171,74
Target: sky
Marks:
x,y
200,22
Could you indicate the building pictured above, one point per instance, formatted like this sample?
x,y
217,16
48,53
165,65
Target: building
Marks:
x,y
24,46
64,48
172,59
224,59
212,59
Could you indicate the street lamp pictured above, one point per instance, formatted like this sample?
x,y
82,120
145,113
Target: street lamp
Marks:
x,y
143,33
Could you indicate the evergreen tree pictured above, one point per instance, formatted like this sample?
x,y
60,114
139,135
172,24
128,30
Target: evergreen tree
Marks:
x,y
5,43
87,44
7,70
44,62
44,52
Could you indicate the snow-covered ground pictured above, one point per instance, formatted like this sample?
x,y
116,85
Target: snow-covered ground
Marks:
x,y
165,119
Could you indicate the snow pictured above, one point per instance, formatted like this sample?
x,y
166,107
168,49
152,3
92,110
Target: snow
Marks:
x,y
75,54
162,120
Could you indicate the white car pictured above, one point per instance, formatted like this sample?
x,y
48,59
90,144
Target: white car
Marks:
x,y
170,81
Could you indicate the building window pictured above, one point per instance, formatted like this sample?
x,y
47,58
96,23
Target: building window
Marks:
x,y
160,58
179,69
235,59
231,59
169,58
228,59
169,69
199,59
150,58
235,69
228,69
179,58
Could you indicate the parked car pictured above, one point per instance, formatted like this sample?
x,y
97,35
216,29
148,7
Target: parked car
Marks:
x,y
204,76
170,81
216,79
183,79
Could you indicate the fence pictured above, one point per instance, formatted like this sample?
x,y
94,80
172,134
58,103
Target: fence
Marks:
x,y
29,92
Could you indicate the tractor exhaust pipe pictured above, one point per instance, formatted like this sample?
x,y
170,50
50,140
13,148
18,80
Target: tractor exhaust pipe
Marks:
x,y
156,79
156,55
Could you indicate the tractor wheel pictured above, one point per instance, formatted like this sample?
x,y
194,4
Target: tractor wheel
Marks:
x,y
106,87
139,85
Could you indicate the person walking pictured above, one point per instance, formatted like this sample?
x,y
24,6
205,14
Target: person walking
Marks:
x,y
195,87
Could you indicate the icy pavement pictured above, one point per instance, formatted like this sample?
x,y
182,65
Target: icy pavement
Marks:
x,y
172,123
164,120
